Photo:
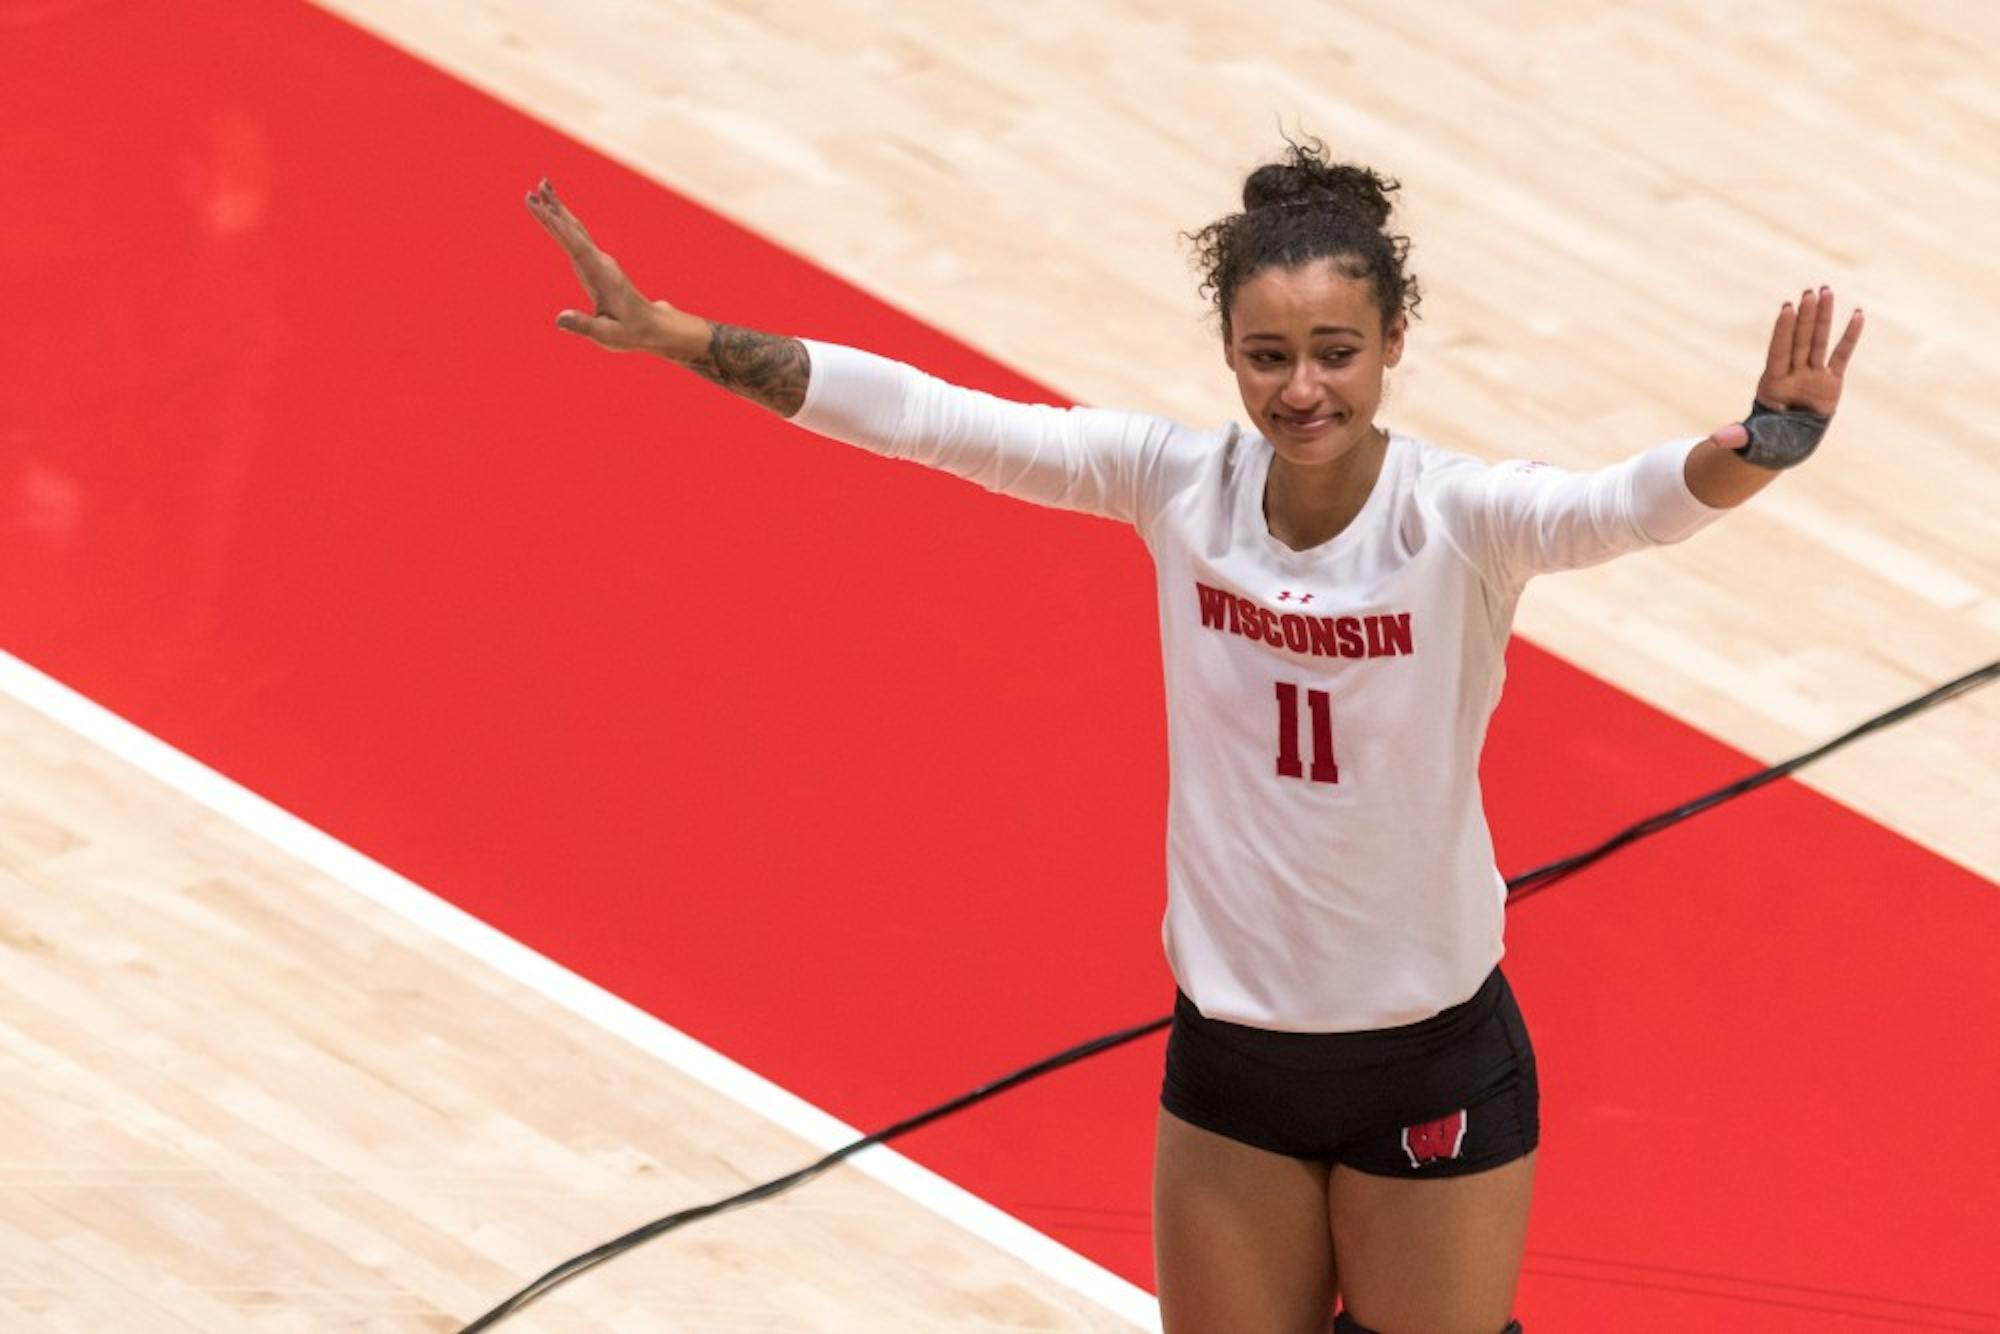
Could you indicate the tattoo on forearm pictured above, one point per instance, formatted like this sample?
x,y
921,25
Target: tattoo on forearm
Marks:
x,y
763,368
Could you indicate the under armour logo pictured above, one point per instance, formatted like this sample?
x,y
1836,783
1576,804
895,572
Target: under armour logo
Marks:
x,y
1286,596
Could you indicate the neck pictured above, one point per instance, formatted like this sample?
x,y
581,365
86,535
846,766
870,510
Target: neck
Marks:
x,y
1307,504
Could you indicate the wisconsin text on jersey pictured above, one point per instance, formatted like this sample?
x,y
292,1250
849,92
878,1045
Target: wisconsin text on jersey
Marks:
x,y
1386,636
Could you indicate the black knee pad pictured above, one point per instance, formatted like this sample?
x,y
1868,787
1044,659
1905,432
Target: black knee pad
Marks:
x,y
1347,1324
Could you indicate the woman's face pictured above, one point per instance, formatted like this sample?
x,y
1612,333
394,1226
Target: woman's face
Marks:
x,y
1309,351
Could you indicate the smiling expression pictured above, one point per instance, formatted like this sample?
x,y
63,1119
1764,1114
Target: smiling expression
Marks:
x,y
1309,352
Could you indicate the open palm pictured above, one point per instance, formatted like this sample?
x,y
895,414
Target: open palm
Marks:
x,y
1798,373
620,317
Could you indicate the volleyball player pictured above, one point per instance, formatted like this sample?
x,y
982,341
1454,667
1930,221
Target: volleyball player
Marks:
x,y
1349,1112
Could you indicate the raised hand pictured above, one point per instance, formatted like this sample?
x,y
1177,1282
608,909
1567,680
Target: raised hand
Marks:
x,y
1798,373
620,317
769,370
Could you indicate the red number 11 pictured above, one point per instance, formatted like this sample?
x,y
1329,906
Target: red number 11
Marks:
x,y
1320,704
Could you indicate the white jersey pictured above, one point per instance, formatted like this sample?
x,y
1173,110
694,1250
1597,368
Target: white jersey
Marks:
x,y
1328,863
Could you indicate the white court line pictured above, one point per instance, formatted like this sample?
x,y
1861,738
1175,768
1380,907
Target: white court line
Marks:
x,y
334,859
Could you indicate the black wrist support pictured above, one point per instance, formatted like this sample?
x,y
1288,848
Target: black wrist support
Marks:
x,y
1781,439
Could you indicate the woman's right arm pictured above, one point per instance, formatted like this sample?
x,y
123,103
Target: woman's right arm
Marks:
x,y
1097,462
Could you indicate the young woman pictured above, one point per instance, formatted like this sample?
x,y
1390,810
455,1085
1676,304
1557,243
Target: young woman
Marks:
x,y
1350,1108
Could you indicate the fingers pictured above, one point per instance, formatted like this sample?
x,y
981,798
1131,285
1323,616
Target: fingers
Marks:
x,y
568,220
1822,330
1802,331
1778,359
610,291
599,329
540,205
1845,347
610,325
558,221
1733,436
1799,337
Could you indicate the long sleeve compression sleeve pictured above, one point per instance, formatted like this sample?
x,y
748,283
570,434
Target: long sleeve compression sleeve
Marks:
x,y
1088,459
1519,519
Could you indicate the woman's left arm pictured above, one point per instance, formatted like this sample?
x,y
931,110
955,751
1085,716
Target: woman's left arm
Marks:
x,y
1796,397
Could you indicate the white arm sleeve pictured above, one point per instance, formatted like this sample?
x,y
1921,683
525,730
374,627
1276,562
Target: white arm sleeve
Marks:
x,y
1087,459
1520,519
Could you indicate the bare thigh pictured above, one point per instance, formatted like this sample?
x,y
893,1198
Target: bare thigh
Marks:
x,y
1240,1239
1440,1256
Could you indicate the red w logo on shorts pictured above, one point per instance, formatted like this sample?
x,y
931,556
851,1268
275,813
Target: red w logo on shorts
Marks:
x,y
1435,1140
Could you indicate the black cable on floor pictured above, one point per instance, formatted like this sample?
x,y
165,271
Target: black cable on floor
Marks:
x,y
1522,886
569,1269
1529,883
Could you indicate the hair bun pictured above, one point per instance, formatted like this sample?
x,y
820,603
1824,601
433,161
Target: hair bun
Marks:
x,y
1307,177
1299,210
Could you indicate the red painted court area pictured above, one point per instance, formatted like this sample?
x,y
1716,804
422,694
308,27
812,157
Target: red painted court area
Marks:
x,y
853,772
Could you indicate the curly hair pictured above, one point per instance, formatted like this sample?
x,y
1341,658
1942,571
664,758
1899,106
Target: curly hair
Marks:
x,y
1308,208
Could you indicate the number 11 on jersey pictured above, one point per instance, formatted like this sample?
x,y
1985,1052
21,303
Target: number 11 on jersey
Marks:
x,y
1320,705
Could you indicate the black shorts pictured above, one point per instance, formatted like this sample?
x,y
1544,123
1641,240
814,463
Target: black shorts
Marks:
x,y
1445,1096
